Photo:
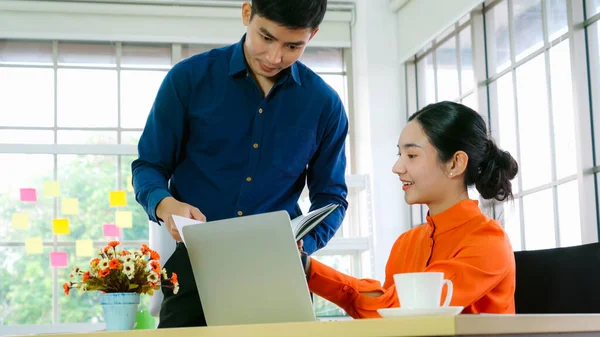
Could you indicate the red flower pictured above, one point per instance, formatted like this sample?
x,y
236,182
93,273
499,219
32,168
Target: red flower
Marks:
x,y
94,262
114,264
174,278
113,243
124,252
66,288
145,250
86,276
155,267
104,272
154,255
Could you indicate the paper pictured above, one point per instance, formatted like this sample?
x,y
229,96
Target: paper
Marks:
x,y
28,194
111,230
181,222
70,206
130,184
20,221
34,245
60,227
124,219
117,199
58,259
84,248
52,189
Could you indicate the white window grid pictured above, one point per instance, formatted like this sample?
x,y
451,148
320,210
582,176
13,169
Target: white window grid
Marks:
x,y
584,96
353,240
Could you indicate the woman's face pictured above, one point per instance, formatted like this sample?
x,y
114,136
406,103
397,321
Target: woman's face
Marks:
x,y
424,179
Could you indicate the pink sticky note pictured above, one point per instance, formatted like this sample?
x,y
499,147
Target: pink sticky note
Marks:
x,y
28,194
111,230
58,259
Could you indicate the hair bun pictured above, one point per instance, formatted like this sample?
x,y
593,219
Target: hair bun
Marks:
x,y
495,173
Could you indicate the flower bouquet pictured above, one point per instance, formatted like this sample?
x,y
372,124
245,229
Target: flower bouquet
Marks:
x,y
122,275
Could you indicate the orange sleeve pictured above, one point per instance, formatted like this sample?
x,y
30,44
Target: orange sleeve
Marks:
x,y
344,291
477,268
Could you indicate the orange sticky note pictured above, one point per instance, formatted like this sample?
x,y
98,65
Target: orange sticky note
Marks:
x,y
70,206
52,189
60,226
34,245
84,248
20,220
117,199
124,219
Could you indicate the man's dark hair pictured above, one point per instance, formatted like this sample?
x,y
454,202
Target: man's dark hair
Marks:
x,y
294,14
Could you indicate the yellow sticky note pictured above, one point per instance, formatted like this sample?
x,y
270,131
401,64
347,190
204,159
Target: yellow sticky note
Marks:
x,y
84,248
34,245
20,221
130,184
124,219
70,206
52,189
118,199
60,226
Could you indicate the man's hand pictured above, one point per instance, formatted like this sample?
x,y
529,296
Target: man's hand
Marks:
x,y
169,206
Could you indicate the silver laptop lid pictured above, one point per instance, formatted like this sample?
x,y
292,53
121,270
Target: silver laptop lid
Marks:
x,y
248,270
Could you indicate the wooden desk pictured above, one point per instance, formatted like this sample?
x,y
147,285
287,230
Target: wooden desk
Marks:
x,y
462,325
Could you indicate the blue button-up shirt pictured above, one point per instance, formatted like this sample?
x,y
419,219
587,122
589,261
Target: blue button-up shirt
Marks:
x,y
230,151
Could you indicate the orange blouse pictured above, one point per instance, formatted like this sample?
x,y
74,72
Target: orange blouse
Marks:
x,y
472,251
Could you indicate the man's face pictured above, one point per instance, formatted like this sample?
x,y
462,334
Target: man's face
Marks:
x,y
270,47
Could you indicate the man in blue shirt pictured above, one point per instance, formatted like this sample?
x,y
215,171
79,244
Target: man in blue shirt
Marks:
x,y
239,130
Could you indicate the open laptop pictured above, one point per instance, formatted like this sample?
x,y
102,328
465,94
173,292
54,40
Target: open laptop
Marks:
x,y
248,270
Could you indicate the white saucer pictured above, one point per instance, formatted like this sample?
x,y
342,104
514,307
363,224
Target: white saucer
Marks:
x,y
405,312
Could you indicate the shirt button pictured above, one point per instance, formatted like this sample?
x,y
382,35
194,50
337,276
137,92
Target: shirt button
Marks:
x,y
260,110
345,288
255,146
240,213
248,178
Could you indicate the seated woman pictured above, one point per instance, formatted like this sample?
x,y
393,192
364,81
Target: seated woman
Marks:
x,y
443,149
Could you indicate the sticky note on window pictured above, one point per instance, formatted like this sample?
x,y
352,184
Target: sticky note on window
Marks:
x,y
60,226
58,259
124,219
70,206
34,245
118,199
20,221
52,189
28,194
111,230
130,184
84,248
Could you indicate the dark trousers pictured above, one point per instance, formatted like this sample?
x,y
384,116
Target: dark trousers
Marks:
x,y
183,309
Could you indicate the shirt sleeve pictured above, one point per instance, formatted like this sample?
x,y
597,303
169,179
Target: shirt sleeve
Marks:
x,y
326,177
159,147
474,271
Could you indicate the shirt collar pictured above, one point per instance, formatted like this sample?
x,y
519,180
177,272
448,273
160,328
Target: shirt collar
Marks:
x,y
457,215
237,63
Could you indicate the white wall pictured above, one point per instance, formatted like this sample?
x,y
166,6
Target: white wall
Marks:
x,y
378,117
59,20
419,21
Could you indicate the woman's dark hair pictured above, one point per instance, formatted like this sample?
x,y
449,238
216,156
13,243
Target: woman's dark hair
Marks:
x,y
294,14
453,127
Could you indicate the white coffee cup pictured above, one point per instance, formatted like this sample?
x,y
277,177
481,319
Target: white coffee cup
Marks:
x,y
422,290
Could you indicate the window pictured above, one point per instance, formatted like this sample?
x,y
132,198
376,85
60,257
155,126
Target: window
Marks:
x,y
443,72
72,113
531,80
